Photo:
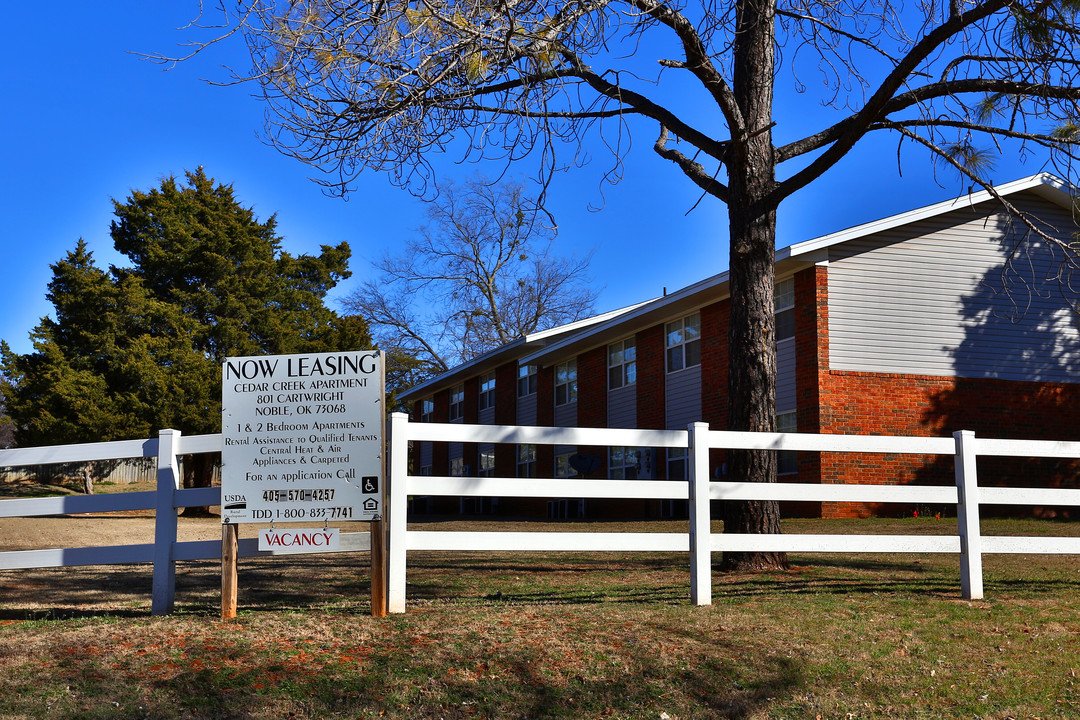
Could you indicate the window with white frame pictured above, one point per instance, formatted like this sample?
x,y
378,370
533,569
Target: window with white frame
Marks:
x,y
683,343
563,468
487,463
457,403
676,464
526,461
526,380
787,461
487,391
566,382
623,463
622,364
425,470
784,302
427,410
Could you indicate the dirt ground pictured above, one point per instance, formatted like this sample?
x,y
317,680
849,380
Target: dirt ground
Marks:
x,y
105,529
76,531
125,589
69,531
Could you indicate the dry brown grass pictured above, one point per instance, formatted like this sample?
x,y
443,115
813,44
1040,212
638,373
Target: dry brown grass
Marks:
x,y
554,635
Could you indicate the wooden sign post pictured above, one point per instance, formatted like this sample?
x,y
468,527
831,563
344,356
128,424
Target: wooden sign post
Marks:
x,y
229,553
378,570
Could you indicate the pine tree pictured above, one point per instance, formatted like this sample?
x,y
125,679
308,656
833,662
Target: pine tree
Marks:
x,y
135,349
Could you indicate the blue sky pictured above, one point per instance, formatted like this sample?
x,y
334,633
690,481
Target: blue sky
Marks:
x,y
87,121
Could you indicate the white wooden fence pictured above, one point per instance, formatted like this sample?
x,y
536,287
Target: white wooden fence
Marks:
x,y
165,551
700,542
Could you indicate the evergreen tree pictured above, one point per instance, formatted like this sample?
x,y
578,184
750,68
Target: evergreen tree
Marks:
x,y
135,349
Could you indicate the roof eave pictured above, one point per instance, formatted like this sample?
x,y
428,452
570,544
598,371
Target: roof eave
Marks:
x,y
505,353
1046,185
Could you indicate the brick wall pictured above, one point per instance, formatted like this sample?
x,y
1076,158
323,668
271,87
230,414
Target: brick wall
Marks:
x,y
921,405
715,321
505,414
916,405
545,416
592,400
470,452
811,366
440,451
651,406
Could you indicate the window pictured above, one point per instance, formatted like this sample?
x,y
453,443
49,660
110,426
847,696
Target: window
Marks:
x,y
457,403
785,309
566,382
526,380
622,364
425,470
457,467
623,463
563,468
676,464
787,461
684,343
487,462
526,461
427,410
487,391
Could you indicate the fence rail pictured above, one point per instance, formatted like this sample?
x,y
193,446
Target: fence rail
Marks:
x,y
967,542
700,542
166,500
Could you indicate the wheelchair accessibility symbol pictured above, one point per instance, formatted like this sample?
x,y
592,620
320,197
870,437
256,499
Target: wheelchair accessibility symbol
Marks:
x,y
370,483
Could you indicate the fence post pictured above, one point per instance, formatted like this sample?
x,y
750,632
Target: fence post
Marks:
x,y
700,516
967,516
397,512
168,482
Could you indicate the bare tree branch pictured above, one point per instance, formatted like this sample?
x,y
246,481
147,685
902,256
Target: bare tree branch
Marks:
x,y
479,275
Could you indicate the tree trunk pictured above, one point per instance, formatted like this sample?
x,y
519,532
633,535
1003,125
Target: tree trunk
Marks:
x,y
199,473
752,340
88,478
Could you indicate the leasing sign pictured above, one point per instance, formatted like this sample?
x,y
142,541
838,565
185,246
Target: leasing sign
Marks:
x,y
303,437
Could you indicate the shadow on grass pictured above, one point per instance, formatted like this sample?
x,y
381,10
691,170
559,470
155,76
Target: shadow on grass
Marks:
x,y
342,581
519,682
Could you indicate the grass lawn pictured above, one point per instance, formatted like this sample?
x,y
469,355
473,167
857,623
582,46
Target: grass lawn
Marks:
x,y
556,635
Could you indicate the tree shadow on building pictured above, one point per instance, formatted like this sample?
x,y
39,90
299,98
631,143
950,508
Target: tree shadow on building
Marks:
x,y
1017,370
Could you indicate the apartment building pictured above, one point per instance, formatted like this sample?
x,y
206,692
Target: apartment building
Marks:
x,y
952,316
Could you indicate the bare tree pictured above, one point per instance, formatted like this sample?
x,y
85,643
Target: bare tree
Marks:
x,y
479,274
383,85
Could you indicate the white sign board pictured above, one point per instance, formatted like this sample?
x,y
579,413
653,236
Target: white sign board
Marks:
x,y
303,437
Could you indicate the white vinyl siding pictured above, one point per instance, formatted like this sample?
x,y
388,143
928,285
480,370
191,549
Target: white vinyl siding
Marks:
x,y
622,407
785,375
526,410
683,398
565,416
927,299
787,461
